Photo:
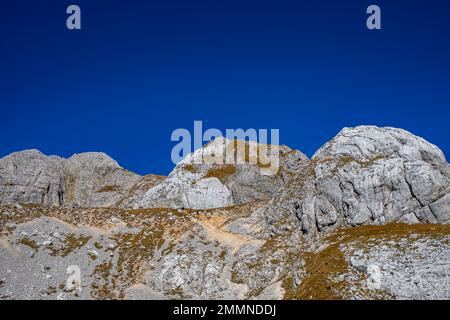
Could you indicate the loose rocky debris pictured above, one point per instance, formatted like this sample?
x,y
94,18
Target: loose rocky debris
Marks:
x,y
212,254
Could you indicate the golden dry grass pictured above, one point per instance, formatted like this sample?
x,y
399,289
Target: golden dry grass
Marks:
x,y
322,266
221,172
111,188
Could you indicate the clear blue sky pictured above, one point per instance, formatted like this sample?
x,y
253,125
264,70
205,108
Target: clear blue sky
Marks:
x,y
140,69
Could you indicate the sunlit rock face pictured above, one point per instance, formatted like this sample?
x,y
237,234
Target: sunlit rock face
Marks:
x,y
366,218
224,173
89,179
368,175
31,177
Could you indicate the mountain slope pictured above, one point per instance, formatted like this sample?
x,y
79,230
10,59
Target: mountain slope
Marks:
x,y
212,254
368,217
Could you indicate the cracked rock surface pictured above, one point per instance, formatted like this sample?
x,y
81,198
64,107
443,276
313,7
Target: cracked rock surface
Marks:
x,y
89,179
368,175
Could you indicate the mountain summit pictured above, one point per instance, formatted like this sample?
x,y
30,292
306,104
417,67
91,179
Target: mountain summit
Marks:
x,y
368,175
205,179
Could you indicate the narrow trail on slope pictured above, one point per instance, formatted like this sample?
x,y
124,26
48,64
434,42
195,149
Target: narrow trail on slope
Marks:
x,y
214,227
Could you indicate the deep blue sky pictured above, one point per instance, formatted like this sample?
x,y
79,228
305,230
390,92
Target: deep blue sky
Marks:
x,y
140,69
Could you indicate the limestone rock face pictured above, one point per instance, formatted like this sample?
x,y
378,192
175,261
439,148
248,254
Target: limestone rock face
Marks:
x,y
95,180
31,177
224,173
303,229
138,190
419,273
88,179
368,175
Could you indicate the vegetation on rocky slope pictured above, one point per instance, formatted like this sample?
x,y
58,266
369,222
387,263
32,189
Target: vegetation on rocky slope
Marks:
x,y
143,242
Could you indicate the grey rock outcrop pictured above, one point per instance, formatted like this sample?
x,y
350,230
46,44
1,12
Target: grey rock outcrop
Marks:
x,y
87,179
95,180
254,246
419,273
137,192
365,175
208,178
368,175
31,177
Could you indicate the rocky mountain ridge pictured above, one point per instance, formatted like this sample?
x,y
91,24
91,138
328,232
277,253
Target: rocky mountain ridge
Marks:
x,y
206,180
95,180
367,217
91,179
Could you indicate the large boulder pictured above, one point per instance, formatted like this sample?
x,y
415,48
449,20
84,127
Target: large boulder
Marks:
x,y
226,172
368,175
